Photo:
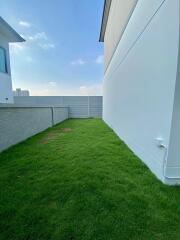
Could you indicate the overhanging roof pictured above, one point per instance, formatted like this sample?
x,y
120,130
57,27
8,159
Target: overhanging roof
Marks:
x,y
107,5
9,32
126,10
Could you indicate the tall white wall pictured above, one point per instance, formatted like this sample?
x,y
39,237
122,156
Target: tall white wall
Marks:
x,y
140,81
172,170
6,94
120,12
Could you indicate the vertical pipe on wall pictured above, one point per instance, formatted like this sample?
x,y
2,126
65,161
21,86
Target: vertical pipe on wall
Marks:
x,y
88,107
52,115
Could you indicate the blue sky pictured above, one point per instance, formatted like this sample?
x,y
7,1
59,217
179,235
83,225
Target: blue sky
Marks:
x,y
61,55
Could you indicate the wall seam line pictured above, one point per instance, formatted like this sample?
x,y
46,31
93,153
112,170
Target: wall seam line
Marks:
x,y
138,37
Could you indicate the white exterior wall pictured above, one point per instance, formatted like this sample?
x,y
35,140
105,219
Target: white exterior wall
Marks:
x,y
120,12
139,84
173,157
5,78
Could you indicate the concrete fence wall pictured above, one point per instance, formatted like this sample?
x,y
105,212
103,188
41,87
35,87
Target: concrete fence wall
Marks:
x,y
79,106
17,122
31,115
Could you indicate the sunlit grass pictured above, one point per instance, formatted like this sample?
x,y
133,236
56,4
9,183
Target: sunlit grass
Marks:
x,y
79,181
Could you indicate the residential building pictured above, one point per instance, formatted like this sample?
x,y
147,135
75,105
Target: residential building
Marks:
x,y
20,93
141,100
7,35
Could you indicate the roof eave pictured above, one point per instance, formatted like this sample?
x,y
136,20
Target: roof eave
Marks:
x,y
12,35
106,9
18,39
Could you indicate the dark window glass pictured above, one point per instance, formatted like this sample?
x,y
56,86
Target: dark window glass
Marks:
x,y
3,65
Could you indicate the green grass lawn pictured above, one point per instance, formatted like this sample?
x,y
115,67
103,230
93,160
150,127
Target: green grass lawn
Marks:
x,y
78,181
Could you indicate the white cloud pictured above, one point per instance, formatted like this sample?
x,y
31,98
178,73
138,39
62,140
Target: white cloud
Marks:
x,y
92,90
100,59
46,46
24,24
41,40
38,36
60,89
16,47
52,84
79,62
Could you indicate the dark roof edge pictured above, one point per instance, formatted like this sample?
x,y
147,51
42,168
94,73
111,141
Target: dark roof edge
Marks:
x,y
20,39
107,6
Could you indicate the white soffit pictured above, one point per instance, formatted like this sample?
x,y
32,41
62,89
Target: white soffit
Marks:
x,y
7,31
125,10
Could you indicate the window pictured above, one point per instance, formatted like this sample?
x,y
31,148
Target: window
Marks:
x,y
3,64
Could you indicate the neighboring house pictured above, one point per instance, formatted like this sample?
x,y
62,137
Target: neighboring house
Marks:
x,y
7,35
141,101
20,93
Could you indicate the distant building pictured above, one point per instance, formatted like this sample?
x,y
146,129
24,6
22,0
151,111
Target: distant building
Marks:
x,y
7,35
20,93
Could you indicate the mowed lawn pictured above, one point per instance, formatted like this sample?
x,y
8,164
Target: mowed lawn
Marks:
x,y
78,181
